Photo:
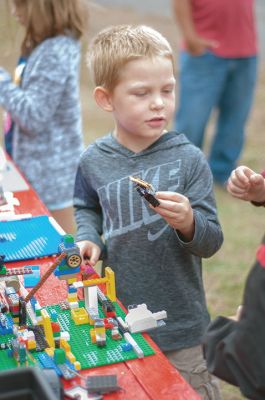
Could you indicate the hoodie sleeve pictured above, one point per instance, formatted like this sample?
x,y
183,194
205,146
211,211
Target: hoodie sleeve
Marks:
x,y
34,103
208,236
88,212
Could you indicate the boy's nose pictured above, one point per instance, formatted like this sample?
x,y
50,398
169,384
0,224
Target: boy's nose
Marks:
x,y
157,103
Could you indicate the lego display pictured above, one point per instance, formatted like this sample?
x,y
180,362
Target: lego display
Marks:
x,y
86,330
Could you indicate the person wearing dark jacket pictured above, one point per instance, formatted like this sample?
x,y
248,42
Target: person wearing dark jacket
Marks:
x,y
234,349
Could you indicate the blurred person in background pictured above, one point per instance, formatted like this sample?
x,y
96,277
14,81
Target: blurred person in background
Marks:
x,y
218,69
43,132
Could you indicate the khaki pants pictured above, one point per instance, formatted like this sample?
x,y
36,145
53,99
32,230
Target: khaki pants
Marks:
x,y
192,366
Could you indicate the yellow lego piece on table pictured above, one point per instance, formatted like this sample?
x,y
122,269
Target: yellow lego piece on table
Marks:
x,y
93,335
77,365
65,345
79,316
72,297
31,345
49,351
71,280
70,357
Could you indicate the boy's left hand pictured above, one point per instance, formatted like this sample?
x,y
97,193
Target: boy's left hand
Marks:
x,y
176,210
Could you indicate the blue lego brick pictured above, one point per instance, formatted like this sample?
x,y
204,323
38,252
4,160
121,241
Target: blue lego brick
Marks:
x,y
30,280
33,302
126,346
47,362
72,289
65,272
54,315
67,369
28,239
8,329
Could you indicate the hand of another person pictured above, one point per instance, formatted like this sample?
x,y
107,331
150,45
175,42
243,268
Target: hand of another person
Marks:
x,y
197,45
89,252
238,314
176,210
245,184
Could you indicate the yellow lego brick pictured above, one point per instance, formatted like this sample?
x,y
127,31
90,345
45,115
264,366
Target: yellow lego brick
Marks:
x,y
65,345
71,280
70,357
93,335
49,351
46,321
31,344
77,365
71,300
79,316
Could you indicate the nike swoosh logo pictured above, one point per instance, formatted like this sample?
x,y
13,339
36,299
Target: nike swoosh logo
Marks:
x,y
154,236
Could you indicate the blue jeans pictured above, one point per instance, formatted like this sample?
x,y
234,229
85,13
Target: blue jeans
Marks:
x,y
208,82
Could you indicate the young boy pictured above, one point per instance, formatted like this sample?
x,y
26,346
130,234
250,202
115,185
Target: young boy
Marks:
x,y
155,251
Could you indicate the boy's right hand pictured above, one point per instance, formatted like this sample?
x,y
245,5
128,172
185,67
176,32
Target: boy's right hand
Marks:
x,y
246,184
89,252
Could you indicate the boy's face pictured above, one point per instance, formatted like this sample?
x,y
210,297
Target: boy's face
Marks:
x,y
143,102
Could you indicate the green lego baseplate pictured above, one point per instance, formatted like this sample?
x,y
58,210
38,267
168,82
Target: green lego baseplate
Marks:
x,y
87,353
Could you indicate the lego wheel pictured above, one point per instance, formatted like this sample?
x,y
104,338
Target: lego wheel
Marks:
x,y
74,260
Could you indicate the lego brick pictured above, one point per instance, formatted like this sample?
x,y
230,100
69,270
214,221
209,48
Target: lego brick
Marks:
x,y
29,238
30,280
101,384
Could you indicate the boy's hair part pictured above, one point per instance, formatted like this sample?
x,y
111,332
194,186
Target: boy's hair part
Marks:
x,y
113,47
50,18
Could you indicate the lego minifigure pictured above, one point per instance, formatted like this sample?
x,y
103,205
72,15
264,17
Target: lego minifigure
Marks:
x,y
145,190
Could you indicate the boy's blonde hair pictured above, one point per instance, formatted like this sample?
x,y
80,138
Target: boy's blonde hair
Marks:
x,y
115,46
49,18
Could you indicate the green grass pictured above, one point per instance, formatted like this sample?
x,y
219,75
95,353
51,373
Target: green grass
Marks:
x,y
243,224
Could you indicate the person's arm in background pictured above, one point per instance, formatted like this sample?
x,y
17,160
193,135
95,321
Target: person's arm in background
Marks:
x,y
246,184
194,44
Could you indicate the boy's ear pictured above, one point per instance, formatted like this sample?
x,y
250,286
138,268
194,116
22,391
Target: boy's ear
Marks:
x,y
103,98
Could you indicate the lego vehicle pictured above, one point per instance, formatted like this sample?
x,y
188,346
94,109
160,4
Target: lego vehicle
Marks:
x,y
145,190
68,246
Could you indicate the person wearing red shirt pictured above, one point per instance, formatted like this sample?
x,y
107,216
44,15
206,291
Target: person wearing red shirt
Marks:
x,y
218,68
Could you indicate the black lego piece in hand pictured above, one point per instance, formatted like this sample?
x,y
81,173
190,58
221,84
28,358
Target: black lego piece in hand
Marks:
x,y
145,190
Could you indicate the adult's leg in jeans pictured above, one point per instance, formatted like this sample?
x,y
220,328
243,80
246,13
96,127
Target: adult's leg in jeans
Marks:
x,y
200,84
234,106
192,366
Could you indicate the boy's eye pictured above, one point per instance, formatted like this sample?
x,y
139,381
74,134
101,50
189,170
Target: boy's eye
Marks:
x,y
140,94
168,90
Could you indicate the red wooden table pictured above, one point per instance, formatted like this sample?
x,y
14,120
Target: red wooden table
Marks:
x,y
152,377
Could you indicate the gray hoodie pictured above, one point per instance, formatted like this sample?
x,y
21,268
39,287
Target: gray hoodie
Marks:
x,y
152,264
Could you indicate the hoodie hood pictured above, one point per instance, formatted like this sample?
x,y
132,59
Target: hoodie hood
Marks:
x,y
110,146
